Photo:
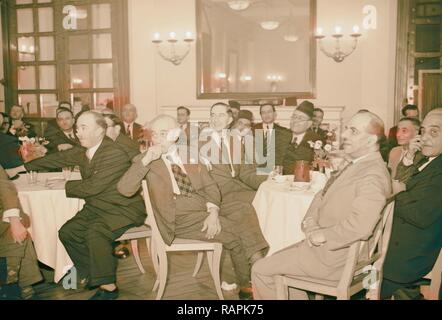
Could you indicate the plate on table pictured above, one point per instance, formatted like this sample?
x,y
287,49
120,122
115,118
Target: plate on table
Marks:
x,y
300,186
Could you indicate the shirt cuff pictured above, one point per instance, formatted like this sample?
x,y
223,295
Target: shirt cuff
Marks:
x,y
211,205
11,213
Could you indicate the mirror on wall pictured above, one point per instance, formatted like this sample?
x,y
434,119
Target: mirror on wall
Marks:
x,y
256,49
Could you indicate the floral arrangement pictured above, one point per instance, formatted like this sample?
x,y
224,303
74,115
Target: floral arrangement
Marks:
x,y
322,151
20,129
32,148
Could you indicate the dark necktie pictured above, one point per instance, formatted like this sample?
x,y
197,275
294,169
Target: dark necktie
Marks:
x,y
71,136
333,178
128,131
182,180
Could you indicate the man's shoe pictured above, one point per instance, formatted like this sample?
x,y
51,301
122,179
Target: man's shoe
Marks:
x,y
10,292
105,295
245,294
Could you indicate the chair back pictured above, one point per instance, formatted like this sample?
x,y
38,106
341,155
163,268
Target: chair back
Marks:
x,y
376,248
151,221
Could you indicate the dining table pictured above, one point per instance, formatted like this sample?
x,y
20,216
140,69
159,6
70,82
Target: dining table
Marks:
x,y
48,209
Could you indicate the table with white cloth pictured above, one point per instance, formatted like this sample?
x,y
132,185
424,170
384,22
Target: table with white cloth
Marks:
x,y
281,209
48,209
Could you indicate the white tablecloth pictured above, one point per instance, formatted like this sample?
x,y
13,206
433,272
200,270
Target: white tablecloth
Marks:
x,y
48,210
281,211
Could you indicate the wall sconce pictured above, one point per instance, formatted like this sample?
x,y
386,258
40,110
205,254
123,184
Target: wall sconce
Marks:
x,y
173,56
239,5
274,79
338,55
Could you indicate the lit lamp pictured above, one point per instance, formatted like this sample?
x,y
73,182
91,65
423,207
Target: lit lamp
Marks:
x,y
173,56
338,54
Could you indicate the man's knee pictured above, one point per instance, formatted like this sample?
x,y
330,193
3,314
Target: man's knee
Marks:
x,y
65,233
98,230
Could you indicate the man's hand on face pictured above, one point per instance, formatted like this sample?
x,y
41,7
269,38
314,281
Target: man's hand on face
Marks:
x,y
212,224
18,231
154,153
414,146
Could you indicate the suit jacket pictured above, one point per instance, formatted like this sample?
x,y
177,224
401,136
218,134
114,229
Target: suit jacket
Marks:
x,y
131,147
281,139
8,200
56,137
364,187
294,153
322,133
416,237
163,199
9,154
137,131
243,185
98,186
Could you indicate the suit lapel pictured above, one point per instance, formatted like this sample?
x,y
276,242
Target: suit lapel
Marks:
x,y
434,167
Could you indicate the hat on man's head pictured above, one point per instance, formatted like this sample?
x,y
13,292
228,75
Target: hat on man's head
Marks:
x,y
234,104
246,114
306,107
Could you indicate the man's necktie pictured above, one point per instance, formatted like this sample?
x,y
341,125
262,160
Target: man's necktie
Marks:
x,y
333,178
71,136
295,142
128,131
182,180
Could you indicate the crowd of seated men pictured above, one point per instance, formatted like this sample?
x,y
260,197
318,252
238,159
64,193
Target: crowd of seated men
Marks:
x,y
203,179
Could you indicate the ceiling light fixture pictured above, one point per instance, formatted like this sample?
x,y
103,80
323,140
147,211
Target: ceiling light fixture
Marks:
x,y
239,5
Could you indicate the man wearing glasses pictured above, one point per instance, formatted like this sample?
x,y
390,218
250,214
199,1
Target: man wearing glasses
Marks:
x,y
297,143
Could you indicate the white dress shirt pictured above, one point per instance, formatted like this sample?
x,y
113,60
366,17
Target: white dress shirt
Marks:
x,y
91,151
426,164
173,155
129,127
298,138
11,213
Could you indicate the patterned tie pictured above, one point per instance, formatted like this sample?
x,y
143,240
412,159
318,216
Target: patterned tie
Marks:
x,y
334,177
182,180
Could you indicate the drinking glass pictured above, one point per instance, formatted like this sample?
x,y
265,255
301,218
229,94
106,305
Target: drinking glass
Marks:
x,y
32,177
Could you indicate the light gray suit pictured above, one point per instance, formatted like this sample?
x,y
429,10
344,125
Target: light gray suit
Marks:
x,y
348,212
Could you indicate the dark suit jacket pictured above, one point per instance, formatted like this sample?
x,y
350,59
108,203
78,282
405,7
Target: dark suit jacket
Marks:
x,y
56,137
281,137
98,186
131,147
416,237
161,191
9,151
322,133
302,152
137,131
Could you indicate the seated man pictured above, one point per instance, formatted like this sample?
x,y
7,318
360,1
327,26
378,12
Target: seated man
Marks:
x,y
106,215
296,143
187,201
15,246
113,131
10,150
62,136
347,210
416,237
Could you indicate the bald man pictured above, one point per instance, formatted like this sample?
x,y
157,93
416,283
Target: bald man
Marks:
x,y
345,211
187,201
416,237
106,215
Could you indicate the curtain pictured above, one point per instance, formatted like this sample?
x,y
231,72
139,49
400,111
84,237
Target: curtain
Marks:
x,y
432,92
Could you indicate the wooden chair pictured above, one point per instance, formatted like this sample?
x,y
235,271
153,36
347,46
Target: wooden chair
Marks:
x,y
360,256
160,249
135,234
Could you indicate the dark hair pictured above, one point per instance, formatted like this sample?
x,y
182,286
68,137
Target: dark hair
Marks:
x,y
62,104
265,105
318,110
63,109
415,122
115,120
228,109
184,108
235,104
409,107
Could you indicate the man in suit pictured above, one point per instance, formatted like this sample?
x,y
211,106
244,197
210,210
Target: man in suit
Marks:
x,y
16,246
318,118
62,137
106,215
416,236
19,128
131,128
189,131
345,211
113,131
236,179
297,146
10,150
235,108
409,111
271,130
186,200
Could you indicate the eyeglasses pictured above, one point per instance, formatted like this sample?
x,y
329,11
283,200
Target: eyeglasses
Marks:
x,y
299,119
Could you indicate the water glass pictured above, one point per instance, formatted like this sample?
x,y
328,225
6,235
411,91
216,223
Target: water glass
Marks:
x,y
32,177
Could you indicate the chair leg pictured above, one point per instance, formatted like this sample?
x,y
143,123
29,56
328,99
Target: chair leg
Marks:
x,y
282,292
199,262
136,254
214,259
342,295
153,255
435,285
162,276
